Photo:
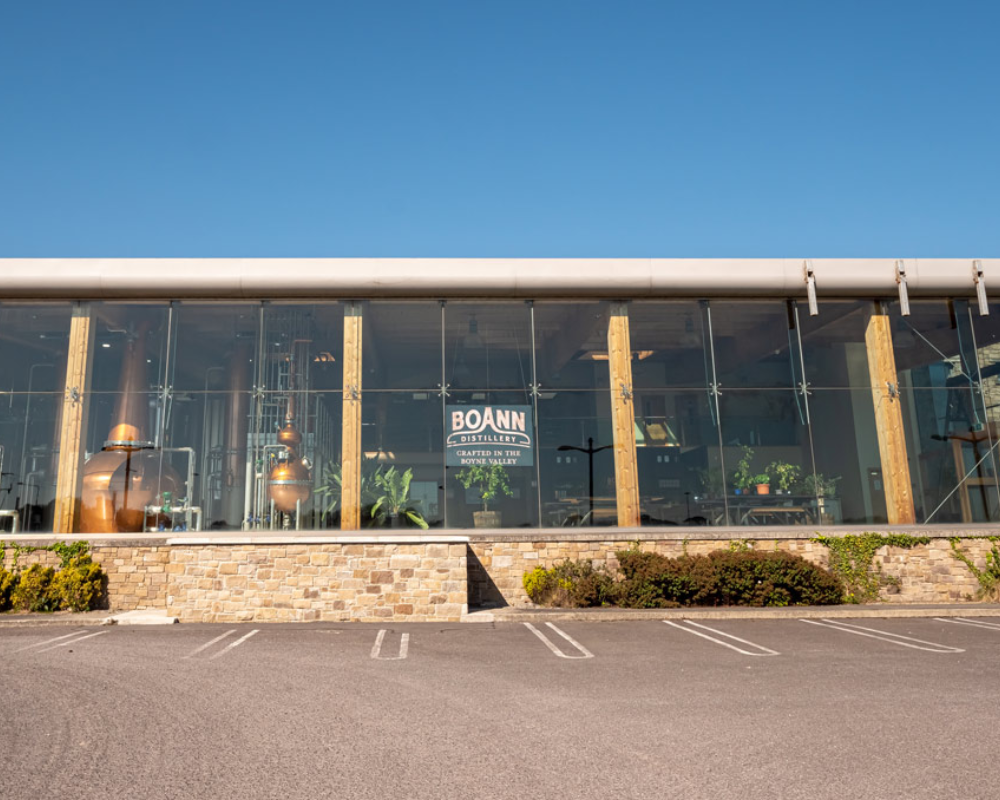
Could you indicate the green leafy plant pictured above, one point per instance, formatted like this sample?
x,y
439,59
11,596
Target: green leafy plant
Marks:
x,y
572,584
79,585
989,575
724,577
393,488
761,478
8,580
712,481
649,580
818,485
785,475
32,590
490,481
852,559
743,476
331,488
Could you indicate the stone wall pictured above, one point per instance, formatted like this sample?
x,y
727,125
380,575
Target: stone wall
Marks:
x,y
925,573
298,582
136,569
432,578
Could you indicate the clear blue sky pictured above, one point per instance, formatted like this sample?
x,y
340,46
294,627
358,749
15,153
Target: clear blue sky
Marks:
x,y
499,128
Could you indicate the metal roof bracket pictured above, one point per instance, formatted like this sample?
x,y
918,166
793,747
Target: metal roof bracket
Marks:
x,y
980,281
904,298
810,279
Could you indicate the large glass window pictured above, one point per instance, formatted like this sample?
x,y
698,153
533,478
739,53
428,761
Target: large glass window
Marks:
x,y
951,440
33,344
402,437
575,440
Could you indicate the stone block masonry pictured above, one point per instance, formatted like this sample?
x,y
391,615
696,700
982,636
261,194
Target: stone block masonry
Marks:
x,y
308,577
306,581
922,574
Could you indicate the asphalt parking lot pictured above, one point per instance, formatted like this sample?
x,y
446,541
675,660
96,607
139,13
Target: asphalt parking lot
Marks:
x,y
861,708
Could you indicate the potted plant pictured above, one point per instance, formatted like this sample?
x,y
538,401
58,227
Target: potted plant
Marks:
x,y
713,483
785,475
819,485
394,500
332,486
489,481
743,478
763,483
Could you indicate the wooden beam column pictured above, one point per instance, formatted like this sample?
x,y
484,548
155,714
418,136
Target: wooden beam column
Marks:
x,y
72,429
623,416
889,418
351,455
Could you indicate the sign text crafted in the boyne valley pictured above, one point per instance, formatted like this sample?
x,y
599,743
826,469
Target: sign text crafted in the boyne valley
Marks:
x,y
484,435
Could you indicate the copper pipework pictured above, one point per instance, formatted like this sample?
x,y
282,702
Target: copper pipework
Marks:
x,y
290,481
127,474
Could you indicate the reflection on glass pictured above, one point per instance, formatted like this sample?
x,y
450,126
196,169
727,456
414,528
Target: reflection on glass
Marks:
x,y
833,344
571,341
769,467
33,343
487,345
121,328
950,456
211,342
677,449
668,341
574,433
29,457
755,344
848,465
402,435
402,344
125,471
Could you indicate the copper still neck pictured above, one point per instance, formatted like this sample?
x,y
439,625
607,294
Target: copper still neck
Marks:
x,y
131,409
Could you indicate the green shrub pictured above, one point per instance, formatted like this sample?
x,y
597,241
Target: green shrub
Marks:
x,y
655,581
32,590
8,580
650,580
570,584
754,578
79,585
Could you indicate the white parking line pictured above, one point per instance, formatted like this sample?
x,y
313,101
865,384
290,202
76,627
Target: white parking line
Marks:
x,y
237,643
883,636
404,647
71,641
765,651
49,641
209,644
973,622
586,653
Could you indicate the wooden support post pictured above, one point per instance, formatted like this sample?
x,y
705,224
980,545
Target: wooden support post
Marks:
x,y
351,455
889,418
623,417
76,404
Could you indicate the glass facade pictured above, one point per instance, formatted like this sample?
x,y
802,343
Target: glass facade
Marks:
x,y
223,416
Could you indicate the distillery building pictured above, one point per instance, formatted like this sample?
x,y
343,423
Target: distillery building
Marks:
x,y
143,396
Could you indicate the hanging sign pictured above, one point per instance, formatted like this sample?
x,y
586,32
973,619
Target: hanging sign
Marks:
x,y
485,435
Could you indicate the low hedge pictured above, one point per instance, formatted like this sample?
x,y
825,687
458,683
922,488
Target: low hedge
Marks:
x,y
722,578
78,585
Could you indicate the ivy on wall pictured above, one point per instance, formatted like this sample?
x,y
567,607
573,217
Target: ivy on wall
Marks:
x,y
989,576
852,559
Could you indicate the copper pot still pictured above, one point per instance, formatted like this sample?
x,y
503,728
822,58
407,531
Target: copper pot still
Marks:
x,y
290,481
128,474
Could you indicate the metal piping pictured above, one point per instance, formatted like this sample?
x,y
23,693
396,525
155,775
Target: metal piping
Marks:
x,y
482,277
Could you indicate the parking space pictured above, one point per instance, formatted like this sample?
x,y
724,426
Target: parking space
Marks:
x,y
681,642
751,698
